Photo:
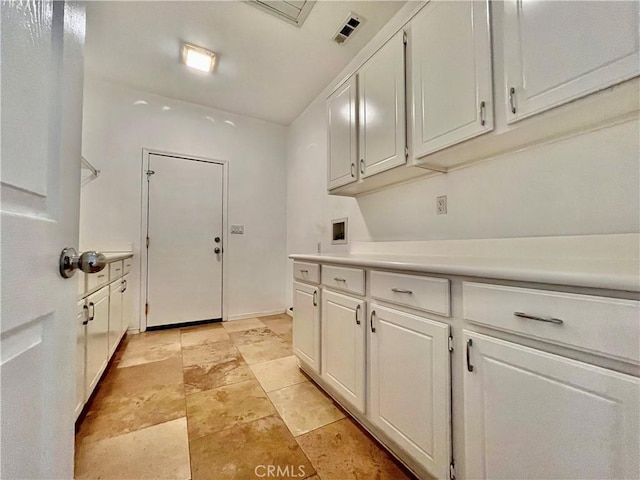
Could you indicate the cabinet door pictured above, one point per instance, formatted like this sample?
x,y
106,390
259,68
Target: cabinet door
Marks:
x,y
97,338
382,109
531,414
451,70
410,385
306,324
557,51
343,337
115,315
81,317
127,304
342,137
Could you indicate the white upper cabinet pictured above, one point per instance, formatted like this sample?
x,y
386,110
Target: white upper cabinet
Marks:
x,y
531,414
557,51
450,51
381,103
342,135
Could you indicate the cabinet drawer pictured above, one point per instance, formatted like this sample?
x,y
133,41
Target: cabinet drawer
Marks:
x,y
308,272
95,280
128,263
115,270
343,278
598,324
424,293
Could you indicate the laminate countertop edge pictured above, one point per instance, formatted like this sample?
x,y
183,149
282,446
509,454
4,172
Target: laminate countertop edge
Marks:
x,y
605,274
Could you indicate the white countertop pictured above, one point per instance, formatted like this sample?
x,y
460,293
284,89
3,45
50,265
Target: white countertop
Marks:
x,y
609,261
115,256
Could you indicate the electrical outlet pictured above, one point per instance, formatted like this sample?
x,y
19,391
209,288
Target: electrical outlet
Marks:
x,y
237,229
441,205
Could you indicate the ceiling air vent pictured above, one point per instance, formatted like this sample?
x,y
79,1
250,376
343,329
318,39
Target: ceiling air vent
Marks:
x,y
346,30
294,12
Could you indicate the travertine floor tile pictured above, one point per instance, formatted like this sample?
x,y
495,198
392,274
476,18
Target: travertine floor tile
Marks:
x,y
247,450
157,452
128,380
265,351
253,336
209,353
214,410
198,378
146,350
239,325
277,316
342,451
198,335
281,325
303,407
112,415
279,373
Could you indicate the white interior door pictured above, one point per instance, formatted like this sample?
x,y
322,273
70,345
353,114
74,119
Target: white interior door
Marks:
x,y
184,272
41,76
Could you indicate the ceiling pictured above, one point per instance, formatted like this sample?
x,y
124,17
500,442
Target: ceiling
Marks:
x,y
266,69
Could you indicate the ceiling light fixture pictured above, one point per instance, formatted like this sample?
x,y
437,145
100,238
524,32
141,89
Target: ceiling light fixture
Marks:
x,y
198,58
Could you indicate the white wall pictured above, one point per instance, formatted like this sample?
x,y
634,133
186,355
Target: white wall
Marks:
x,y
585,184
115,130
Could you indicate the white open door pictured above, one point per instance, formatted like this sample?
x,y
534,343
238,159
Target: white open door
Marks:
x,y
41,123
185,240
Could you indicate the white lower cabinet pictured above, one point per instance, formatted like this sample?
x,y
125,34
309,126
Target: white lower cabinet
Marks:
x,y
97,345
410,385
306,324
531,414
127,304
81,318
343,350
115,315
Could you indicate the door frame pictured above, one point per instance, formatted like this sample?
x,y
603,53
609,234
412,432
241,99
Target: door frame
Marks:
x,y
146,152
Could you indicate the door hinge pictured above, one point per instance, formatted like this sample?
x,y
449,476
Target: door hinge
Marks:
x,y
147,242
406,152
450,343
404,37
452,471
146,308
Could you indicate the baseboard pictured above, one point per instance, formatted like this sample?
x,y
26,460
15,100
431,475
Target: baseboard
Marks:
x,y
289,312
243,316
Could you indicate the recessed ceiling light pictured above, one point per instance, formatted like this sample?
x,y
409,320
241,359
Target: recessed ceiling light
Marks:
x,y
198,58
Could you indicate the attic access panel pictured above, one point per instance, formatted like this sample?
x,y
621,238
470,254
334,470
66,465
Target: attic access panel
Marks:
x,y
294,12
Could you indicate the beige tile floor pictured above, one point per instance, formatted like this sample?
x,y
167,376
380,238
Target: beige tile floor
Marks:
x,y
220,401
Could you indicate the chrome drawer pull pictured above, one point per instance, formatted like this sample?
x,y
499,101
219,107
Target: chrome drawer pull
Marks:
x,y
304,271
338,279
557,321
401,290
315,298
357,318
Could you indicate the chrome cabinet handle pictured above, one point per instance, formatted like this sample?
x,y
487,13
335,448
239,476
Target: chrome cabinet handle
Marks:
x,y
357,318
483,107
124,284
353,170
362,166
556,321
86,314
304,271
469,345
512,100
373,314
315,298
338,279
401,290
92,315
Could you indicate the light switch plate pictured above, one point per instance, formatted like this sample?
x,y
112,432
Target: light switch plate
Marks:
x,y
237,229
